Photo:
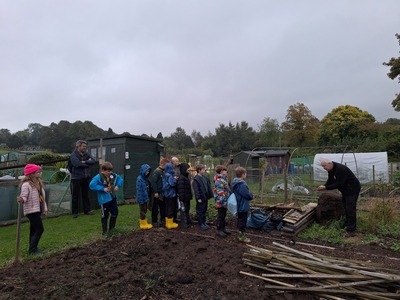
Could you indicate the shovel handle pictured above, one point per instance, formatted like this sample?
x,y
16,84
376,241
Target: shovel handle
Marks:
x,y
18,232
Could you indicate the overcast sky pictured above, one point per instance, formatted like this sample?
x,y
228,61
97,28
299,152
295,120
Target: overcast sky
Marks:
x,y
152,66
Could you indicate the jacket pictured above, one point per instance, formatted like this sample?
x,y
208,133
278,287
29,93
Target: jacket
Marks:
x,y
343,179
143,185
183,185
81,170
221,191
243,195
31,198
157,180
99,182
202,187
169,182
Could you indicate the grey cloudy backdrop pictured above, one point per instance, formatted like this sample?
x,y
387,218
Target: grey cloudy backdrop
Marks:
x,y
152,66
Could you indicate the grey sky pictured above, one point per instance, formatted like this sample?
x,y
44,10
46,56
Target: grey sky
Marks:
x,y
152,66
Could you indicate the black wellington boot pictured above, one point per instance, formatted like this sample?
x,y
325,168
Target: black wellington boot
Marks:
x,y
104,225
112,222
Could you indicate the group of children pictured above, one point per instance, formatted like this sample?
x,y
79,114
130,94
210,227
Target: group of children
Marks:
x,y
165,192
169,191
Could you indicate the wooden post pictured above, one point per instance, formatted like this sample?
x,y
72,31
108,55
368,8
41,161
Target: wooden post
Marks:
x,y
18,232
285,183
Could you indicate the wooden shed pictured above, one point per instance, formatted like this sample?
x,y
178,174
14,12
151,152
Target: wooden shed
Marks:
x,y
276,161
127,153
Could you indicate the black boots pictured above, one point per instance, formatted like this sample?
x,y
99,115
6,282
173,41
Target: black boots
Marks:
x,y
112,222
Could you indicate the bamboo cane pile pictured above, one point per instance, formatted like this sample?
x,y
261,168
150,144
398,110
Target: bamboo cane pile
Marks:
x,y
289,270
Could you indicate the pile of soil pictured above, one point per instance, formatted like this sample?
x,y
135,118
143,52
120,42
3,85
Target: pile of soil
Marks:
x,y
162,264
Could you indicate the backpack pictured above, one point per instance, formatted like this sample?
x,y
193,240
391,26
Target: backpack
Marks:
x,y
69,165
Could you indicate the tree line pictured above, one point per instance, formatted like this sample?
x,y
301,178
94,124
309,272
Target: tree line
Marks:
x,y
344,125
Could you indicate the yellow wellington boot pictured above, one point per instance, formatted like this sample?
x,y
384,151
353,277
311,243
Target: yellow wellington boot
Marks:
x,y
169,223
149,226
144,224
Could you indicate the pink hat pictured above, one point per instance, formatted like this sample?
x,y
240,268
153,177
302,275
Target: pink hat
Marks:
x,y
31,168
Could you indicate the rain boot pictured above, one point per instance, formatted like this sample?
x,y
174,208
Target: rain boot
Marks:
x,y
112,222
144,225
104,225
243,238
169,223
184,223
189,220
227,232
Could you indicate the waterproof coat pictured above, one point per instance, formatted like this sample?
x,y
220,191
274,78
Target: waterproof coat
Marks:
x,y
202,187
343,179
183,185
100,182
81,169
169,182
143,185
221,191
243,195
31,199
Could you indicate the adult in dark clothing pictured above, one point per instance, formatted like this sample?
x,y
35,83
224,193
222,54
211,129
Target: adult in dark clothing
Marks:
x,y
342,178
184,189
80,177
203,192
158,201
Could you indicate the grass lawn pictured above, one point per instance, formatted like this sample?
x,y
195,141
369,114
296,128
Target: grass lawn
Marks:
x,y
65,232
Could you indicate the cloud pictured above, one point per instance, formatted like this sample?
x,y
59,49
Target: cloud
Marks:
x,y
152,66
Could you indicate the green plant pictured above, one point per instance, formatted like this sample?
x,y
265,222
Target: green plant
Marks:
x,y
395,247
382,212
329,233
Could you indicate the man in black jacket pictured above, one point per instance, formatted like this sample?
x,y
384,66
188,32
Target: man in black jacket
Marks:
x,y
342,178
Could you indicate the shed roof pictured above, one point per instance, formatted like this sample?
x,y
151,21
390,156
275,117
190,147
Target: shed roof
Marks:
x,y
127,135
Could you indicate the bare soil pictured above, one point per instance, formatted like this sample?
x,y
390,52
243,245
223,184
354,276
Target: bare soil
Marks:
x,y
163,264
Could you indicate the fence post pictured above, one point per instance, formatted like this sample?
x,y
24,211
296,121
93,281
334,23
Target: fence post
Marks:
x,y
285,183
373,174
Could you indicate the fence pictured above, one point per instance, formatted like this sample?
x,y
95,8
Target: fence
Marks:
x,y
298,183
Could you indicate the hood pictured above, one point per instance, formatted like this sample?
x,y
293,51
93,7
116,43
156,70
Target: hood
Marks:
x,y
236,181
184,167
169,168
143,169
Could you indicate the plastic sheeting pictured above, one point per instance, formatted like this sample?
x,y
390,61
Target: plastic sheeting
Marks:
x,y
366,166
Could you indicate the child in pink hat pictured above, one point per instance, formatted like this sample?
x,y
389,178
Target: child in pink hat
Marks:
x,y
34,202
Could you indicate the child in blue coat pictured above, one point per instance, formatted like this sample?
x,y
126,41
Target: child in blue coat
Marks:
x,y
243,198
107,183
143,195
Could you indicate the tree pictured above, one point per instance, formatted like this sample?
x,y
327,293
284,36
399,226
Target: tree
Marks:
x,y
4,136
197,138
394,64
300,127
270,133
345,125
178,140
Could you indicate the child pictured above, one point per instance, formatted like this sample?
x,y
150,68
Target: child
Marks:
x,y
143,194
185,194
34,202
107,183
158,201
169,189
243,197
221,194
203,192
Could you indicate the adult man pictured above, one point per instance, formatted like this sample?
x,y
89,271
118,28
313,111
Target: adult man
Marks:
x,y
81,161
342,178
